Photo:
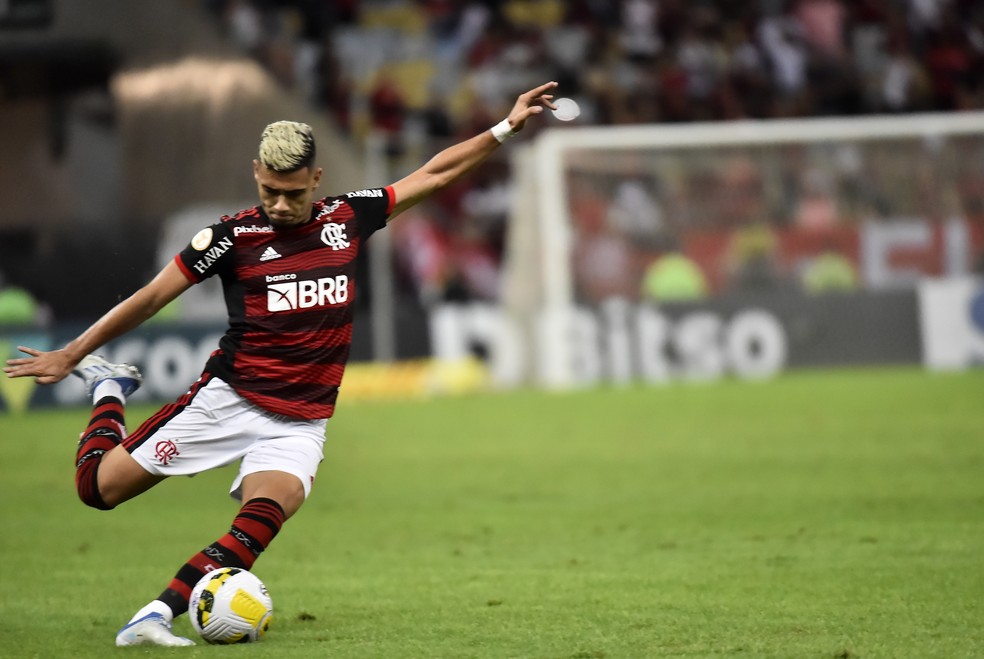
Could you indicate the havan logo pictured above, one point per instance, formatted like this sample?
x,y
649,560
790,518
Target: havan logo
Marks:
x,y
307,293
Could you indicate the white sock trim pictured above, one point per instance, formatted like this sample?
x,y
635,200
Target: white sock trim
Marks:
x,y
108,388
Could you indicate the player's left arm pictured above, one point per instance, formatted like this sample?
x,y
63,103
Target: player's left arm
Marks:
x,y
454,162
48,367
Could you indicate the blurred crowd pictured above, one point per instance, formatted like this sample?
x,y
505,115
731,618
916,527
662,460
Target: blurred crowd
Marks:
x,y
417,75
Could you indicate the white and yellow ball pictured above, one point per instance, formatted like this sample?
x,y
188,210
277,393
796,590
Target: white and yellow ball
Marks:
x,y
230,605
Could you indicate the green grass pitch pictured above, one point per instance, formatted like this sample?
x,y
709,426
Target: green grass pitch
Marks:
x,y
827,514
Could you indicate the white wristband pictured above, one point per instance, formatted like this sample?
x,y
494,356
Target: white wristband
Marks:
x,y
502,131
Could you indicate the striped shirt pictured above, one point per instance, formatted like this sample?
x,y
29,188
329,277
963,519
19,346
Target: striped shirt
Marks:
x,y
289,294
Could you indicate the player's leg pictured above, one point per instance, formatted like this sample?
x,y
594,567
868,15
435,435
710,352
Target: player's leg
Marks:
x,y
253,529
269,499
275,476
105,473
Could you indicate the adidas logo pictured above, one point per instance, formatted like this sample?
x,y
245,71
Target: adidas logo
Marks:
x,y
269,253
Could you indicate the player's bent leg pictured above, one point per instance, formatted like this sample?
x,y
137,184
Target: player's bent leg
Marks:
x,y
108,385
121,477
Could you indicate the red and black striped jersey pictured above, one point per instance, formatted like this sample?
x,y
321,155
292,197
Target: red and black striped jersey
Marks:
x,y
289,293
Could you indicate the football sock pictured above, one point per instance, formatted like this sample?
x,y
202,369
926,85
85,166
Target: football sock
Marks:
x,y
258,522
106,429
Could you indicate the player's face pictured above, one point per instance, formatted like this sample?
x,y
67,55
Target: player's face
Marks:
x,y
286,198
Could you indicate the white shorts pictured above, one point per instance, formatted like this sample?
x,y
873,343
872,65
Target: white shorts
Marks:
x,y
213,426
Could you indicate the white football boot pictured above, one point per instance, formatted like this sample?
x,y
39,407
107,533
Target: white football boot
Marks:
x,y
152,629
93,369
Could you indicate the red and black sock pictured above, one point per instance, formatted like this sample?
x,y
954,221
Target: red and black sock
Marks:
x,y
258,522
106,430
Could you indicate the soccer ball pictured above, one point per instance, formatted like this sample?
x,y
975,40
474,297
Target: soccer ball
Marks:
x,y
230,605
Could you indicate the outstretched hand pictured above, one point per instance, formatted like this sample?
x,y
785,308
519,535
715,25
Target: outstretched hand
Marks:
x,y
44,367
530,103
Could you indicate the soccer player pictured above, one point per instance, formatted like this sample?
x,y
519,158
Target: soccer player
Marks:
x,y
288,272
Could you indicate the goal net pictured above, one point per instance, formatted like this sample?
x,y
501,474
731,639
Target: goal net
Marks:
x,y
613,225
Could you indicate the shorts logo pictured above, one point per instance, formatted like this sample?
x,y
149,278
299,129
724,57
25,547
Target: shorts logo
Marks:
x,y
334,236
165,451
307,293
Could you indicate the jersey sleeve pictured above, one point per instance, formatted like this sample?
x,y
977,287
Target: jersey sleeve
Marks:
x,y
372,207
209,253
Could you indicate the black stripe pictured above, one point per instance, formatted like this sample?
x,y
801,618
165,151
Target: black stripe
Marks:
x,y
247,541
113,415
165,414
262,519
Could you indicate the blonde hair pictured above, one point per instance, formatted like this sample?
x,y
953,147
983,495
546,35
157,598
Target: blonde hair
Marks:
x,y
286,146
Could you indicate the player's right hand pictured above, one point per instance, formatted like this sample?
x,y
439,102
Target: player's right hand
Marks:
x,y
44,367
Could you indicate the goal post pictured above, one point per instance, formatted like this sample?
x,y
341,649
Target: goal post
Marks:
x,y
896,198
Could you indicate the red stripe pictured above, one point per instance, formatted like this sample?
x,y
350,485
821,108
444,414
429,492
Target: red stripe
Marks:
x,y
259,530
113,406
181,588
266,508
337,337
239,549
184,269
295,409
324,374
392,199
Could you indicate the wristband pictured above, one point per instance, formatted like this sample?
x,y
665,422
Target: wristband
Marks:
x,y
502,131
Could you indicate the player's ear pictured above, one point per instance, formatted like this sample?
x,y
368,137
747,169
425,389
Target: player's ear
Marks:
x,y
256,170
317,177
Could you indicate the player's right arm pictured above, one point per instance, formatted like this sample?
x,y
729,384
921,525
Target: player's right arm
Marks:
x,y
50,367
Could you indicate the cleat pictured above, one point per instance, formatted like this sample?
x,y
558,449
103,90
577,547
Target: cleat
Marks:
x,y
152,629
93,369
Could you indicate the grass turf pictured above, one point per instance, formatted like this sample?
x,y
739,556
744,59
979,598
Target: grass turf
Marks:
x,y
828,514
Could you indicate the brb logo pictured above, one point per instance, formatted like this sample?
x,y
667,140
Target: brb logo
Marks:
x,y
286,294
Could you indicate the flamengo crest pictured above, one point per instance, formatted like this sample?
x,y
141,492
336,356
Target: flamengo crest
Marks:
x,y
334,236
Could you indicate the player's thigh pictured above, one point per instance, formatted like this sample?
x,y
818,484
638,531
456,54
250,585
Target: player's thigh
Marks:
x,y
120,477
212,428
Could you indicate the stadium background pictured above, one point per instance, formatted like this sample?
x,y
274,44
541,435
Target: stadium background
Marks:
x,y
126,126
819,512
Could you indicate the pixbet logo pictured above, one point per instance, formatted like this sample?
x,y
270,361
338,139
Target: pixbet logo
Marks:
x,y
307,293
236,231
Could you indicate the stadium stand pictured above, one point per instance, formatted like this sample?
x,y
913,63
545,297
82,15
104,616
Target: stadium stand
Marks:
x,y
427,71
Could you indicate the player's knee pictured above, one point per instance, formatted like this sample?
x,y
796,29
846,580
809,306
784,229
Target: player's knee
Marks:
x,y
92,498
87,485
